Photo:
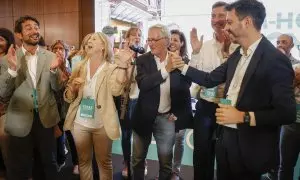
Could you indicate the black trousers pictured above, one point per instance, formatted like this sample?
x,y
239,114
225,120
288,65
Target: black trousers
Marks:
x,y
229,160
32,155
289,150
204,140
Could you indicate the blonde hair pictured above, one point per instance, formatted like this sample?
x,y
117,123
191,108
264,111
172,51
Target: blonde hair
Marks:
x,y
82,51
107,56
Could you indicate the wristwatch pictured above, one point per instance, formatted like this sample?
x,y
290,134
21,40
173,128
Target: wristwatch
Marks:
x,y
247,118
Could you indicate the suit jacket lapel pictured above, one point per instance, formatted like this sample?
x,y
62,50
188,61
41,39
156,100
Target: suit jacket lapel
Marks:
x,y
153,68
101,77
251,68
40,64
232,64
23,73
152,64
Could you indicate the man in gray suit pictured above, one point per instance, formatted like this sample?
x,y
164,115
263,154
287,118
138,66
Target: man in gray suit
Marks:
x,y
29,77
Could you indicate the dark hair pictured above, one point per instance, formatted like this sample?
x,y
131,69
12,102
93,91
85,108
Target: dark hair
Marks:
x,y
183,48
219,4
21,20
8,36
255,9
42,41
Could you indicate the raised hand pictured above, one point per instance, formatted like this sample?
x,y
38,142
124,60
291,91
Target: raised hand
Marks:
x,y
12,58
75,84
174,61
58,60
195,42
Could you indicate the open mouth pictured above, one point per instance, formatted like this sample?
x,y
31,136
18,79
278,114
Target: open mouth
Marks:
x,y
35,37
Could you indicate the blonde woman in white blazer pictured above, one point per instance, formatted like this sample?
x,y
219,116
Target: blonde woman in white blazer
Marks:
x,y
92,116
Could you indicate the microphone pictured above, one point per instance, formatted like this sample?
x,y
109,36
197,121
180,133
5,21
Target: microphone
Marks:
x,y
137,49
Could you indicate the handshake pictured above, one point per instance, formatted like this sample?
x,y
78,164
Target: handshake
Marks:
x,y
174,62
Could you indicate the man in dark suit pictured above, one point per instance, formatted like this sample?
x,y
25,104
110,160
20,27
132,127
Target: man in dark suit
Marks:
x,y
29,77
163,104
258,86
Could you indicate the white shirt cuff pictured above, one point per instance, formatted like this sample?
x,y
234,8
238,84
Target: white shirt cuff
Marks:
x,y
164,73
184,70
12,72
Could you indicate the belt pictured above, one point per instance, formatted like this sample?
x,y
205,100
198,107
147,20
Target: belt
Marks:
x,y
163,114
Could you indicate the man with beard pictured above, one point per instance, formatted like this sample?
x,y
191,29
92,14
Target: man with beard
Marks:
x,y
212,54
29,77
259,96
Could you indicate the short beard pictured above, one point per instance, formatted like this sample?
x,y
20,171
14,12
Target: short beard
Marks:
x,y
31,43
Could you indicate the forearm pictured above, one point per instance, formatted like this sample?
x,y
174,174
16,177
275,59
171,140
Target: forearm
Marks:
x,y
200,77
7,85
148,82
55,81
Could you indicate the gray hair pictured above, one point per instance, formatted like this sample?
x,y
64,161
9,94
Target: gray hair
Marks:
x,y
164,31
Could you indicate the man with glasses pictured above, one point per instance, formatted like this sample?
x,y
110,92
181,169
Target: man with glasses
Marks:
x,y
163,105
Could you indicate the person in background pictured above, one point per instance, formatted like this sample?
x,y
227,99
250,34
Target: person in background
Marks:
x,y
178,45
61,47
290,134
285,43
92,115
6,40
132,38
208,56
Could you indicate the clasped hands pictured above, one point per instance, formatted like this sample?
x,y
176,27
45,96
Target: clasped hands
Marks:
x,y
174,61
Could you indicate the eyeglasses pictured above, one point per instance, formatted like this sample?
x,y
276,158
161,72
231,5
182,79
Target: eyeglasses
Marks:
x,y
154,40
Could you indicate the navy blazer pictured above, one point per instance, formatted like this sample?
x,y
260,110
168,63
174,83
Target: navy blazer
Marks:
x,y
266,90
149,79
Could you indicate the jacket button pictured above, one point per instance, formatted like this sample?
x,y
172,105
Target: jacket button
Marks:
x,y
98,106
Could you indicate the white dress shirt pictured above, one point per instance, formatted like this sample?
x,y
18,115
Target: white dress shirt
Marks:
x,y
31,60
31,64
89,91
240,70
165,96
